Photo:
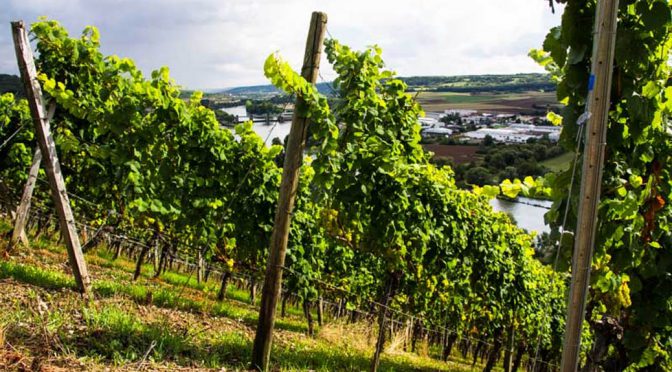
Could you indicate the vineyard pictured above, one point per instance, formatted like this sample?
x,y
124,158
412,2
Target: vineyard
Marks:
x,y
389,265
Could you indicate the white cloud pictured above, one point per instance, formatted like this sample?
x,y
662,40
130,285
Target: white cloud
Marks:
x,y
214,44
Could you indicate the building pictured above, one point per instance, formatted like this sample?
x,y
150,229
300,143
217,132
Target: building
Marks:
x,y
515,133
461,113
436,132
499,135
428,122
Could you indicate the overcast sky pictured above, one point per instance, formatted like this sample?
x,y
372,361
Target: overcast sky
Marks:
x,y
212,44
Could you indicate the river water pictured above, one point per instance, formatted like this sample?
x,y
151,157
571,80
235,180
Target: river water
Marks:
x,y
265,131
527,216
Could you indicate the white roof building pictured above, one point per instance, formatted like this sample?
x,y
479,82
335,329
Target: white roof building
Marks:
x,y
515,133
437,132
428,122
462,113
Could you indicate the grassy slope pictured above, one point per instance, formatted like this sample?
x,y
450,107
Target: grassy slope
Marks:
x,y
169,323
559,163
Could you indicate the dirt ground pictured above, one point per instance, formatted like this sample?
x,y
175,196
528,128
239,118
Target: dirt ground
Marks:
x,y
459,153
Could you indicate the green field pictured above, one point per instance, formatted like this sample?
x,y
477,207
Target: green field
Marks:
x,y
525,102
457,98
559,163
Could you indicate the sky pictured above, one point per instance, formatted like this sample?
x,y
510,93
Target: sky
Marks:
x,y
214,44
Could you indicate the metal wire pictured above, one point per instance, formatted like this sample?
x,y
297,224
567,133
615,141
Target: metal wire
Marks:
x,y
579,136
436,329
12,136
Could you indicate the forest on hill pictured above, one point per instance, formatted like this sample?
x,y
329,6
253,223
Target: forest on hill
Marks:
x,y
467,83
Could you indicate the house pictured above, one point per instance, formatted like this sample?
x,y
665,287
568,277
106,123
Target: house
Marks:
x,y
436,132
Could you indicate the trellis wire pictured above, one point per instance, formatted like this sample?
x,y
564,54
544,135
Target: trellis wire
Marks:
x,y
435,329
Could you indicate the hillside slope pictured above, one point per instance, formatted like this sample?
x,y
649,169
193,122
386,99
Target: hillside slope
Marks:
x,y
166,323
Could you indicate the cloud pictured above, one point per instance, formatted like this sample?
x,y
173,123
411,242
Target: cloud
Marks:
x,y
212,44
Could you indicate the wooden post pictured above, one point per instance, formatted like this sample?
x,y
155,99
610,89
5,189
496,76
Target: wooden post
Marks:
x,y
320,311
158,258
261,351
199,267
24,56
604,42
19,233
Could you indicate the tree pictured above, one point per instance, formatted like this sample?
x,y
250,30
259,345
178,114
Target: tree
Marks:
x,y
451,119
488,140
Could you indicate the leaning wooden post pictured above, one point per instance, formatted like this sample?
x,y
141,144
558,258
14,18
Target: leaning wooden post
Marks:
x,y
261,351
19,232
604,44
24,56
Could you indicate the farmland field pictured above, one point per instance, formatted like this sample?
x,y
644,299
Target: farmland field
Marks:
x,y
458,153
527,102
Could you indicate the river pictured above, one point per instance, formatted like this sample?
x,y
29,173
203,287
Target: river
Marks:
x,y
527,216
274,128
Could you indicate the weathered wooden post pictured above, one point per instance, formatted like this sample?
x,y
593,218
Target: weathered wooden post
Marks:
x,y
24,56
19,232
261,351
604,45
199,266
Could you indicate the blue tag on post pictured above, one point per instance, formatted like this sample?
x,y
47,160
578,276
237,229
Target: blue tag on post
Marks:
x,y
591,82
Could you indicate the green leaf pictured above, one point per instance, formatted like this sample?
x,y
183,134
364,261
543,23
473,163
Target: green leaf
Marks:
x,y
650,90
635,181
657,16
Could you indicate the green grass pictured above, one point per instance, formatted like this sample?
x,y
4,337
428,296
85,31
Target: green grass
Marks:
x,y
5,226
35,276
450,97
559,163
148,292
184,326
121,337
118,336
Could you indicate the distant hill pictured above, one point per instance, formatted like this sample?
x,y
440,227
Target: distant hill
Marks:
x,y
459,84
11,84
324,88
481,83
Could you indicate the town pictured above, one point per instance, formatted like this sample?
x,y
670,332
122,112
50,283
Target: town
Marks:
x,y
472,127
